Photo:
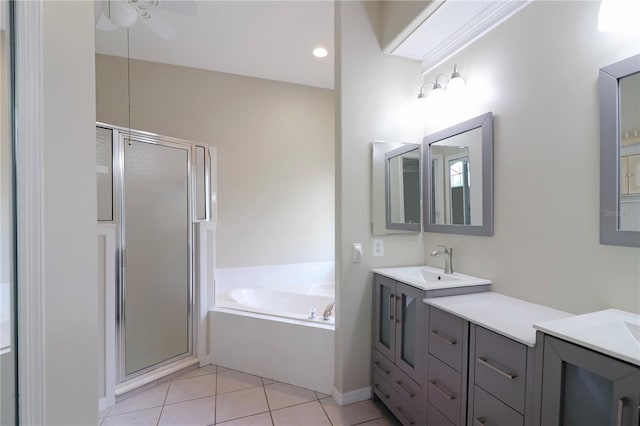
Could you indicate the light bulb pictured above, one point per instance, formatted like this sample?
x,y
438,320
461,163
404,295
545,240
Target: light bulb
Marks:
x,y
122,13
437,94
618,15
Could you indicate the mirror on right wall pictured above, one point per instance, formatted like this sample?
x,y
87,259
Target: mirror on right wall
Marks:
x,y
458,178
619,86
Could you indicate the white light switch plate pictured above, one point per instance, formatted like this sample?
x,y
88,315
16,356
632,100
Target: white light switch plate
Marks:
x,y
378,247
356,253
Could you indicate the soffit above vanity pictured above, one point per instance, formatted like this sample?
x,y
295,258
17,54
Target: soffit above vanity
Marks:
x,y
446,27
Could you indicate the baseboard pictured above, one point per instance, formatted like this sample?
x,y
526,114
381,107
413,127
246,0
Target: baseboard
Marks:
x,y
102,404
351,397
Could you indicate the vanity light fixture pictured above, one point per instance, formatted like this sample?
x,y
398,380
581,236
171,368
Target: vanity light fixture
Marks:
x,y
454,84
320,52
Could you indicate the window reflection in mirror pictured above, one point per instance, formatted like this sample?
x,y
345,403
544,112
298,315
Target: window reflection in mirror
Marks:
x,y
456,168
629,160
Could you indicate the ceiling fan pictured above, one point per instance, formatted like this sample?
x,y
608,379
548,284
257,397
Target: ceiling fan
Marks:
x,y
115,14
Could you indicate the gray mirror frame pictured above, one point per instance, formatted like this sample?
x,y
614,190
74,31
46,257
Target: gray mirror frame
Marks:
x,y
416,227
610,152
485,121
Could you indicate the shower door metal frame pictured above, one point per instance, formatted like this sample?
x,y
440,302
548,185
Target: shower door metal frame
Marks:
x,y
120,135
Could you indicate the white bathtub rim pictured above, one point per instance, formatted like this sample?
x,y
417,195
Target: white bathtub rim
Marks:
x,y
244,311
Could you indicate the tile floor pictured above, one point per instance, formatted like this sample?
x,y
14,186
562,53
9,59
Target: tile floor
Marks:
x,y
215,395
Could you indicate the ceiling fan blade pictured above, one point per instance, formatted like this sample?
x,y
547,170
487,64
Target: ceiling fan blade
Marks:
x,y
104,24
161,27
181,7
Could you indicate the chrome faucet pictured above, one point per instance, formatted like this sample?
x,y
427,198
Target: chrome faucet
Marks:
x,y
328,310
448,261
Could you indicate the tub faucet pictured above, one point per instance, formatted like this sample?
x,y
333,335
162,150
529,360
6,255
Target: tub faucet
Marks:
x,y
448,260
327,311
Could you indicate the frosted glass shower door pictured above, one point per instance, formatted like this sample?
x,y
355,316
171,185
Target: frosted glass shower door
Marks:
x,y
156,264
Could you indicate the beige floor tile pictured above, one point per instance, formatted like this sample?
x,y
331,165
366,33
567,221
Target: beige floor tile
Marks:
x,y
307,414
224,369
263,419
240,404
150,398
382,421
267,381
321,395
207,369
282,395
191,388
197,412
350,414
231,381
137,418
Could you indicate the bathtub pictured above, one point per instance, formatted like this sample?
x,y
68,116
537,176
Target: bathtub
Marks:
x,y
293,302
267,331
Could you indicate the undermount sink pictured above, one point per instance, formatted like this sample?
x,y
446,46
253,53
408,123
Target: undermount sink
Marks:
x,y
432,277
427,277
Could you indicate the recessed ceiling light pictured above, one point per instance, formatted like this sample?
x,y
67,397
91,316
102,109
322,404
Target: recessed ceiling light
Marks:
x,y
320,52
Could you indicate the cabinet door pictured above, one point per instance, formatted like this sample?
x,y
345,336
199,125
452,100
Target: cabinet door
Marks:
x,y
583,387
384,316
410,323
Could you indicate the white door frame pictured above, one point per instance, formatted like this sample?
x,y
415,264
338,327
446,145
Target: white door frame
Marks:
x,y
28,134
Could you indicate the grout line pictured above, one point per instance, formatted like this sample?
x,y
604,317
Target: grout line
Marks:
x,y
264,389
243,417
325,412
164,401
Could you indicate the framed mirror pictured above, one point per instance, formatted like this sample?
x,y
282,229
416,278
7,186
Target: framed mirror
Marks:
x,y
458,170
379,187
619,86
402,188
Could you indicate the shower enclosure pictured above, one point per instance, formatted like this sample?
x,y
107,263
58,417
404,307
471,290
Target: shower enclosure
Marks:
x,y
153,189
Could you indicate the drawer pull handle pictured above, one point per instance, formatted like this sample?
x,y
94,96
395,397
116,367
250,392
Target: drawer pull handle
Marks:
x,y
440,336
620,409
377,386
480,421
411,394
486,363
405,421
446,395
377,363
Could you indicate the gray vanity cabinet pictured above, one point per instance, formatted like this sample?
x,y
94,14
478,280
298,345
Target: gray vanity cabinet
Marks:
x,y
501,384
581,387
447,342
398,361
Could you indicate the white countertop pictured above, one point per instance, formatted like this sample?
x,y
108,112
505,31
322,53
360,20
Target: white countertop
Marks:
x,y
612,332
412,276
511,317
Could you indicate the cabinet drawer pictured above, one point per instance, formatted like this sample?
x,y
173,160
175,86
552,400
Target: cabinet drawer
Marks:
x,y
443,389
402,409
436,418
500,366
408,389
382,388
382,365
445,337
487,410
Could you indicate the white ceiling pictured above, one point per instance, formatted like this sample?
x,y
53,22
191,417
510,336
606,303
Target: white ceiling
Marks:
x,y
265,39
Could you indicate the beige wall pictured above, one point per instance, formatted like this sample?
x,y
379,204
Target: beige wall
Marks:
x,y
70,288
375,95
275,152
538,74
541,86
